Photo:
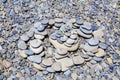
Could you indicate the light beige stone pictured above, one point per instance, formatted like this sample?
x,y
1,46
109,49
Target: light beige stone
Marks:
x,y
74,76
47,62
58,45
100,53
37,66
78,60
56,66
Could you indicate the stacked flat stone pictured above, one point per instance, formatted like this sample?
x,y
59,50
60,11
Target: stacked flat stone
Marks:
x,y
64,38
40,31
85,31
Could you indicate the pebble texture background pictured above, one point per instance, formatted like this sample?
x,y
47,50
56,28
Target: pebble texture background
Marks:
x,y
59,40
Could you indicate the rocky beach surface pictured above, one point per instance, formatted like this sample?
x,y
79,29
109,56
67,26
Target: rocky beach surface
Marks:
x,y
59,40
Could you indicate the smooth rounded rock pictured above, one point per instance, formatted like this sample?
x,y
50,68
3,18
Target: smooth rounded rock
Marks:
x,y
37,66
73,36
28,52
61,51
70,41
22,45
24,37
64,38
36,50
93,42
49,69
56,66
38,36
100,53
103,45
35,43
35,58
47,62
85,31
41,28
78,60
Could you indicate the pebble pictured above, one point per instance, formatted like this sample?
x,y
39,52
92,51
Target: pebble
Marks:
x,y
64,38
58,20
70,41
103,46
79,21
4,1
22,45
56,66
98,33
22,53
109,60
35,43
51,21
45,21
93,42
29,33
24,37
49,69
28,52
78,60
61,51
83,34
37,36
73,36
6,63
59,41
67,73
41,28
88,48
100,53
74,76
53,36
35,58
37,66
63,63
47,62
85,31
36,50
97,59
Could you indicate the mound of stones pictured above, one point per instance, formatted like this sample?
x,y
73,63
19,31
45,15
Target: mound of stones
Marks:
x,y
65,38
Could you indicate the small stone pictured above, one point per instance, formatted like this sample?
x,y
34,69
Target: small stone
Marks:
x,y
24,37
47,62
93,42
98,33
45,21
61,51
22,45
103,45
57,56
88,28
6,63
29,33
67,73
38,36
22,53
56,66
51,21
49,69
85,31
74,76
79,21
35,43
58,20
100,53
37,66
64,38
41,28
70,41
36,50
90,54
35,58
53,36
78,60
83,34
29,52
109,60
88,48
4,1
66,63
41,33
73,36
59,41
97,59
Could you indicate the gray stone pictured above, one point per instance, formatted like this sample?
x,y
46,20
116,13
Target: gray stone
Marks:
x,y
49,69
64,38
41,28
24,37
79,21
103,45
35,43
29,52
73,36
97,59
67,73
85,31
52,36
93,42
45,21
59,41
35,58
70,41
22,45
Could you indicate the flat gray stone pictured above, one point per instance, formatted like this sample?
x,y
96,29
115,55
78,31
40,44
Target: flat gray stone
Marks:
x,y
73,36
29,52
22,45
85,31
93,42
35,43
35,58
24,37
70,41
103,45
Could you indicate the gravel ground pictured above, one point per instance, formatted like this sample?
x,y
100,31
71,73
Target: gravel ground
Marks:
x,y
59,40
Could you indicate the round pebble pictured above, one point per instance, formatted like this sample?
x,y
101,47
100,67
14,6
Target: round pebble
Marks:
x,y
35,43
93,42
47,62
